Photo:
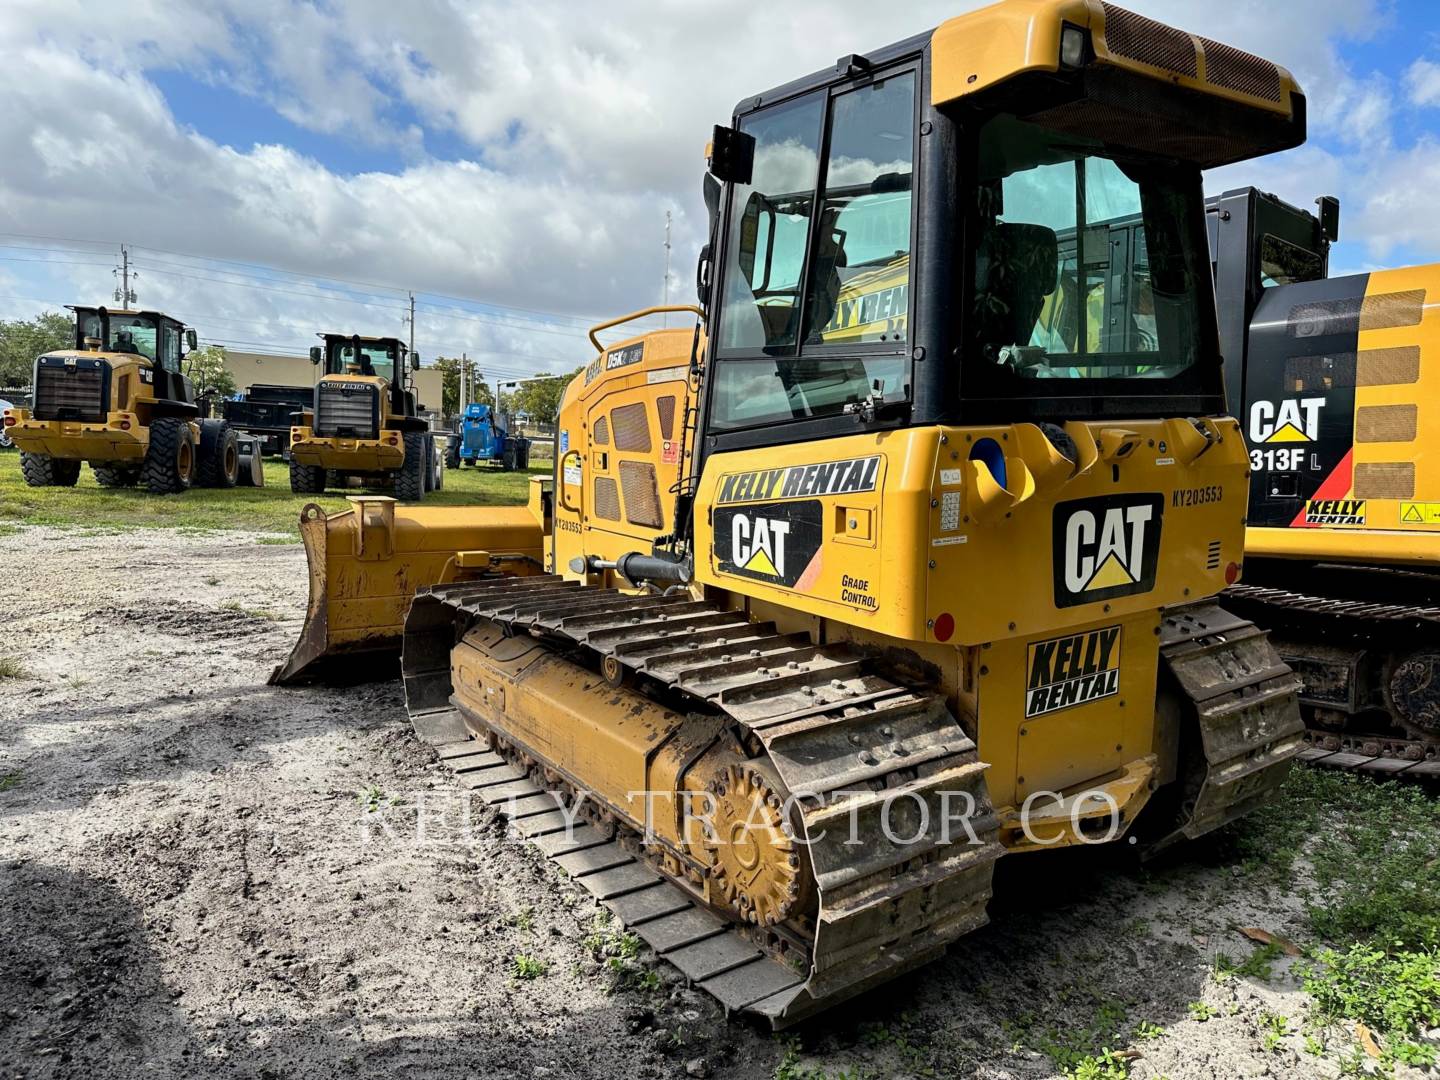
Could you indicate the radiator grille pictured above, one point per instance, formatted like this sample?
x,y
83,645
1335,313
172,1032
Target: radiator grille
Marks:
x,y
1328,372
665,407
632,428
345,409
1324,317
642,497
1241,71
607,499
1389,367
1137,38
1392,309
65,392
602,432
1385,480
1385,423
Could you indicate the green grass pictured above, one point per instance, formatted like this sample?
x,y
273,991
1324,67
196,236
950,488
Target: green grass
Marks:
x,y
1396,994
269,509
10,668
619,951
528,967
1373,911
1373,849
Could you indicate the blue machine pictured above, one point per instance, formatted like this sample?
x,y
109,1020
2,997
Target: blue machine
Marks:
x,y
480,437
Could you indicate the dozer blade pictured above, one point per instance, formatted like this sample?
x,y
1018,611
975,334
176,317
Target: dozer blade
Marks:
x,y
366,564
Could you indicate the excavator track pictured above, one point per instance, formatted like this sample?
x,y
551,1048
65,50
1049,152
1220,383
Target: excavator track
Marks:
x,y
1335,619
855,744
1249,728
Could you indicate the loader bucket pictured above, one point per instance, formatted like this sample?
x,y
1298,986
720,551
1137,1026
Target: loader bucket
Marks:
x,y
366,563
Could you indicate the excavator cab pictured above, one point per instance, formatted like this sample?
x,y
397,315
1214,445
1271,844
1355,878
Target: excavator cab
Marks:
x,y
915,533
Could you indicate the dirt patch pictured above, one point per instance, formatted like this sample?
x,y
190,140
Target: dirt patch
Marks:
x,y
203,874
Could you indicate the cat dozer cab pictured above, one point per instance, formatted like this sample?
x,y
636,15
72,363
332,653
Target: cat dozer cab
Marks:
x,y
364,422
864,581
1340,407
119,399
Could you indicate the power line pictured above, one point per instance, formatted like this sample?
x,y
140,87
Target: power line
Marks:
x,y
584,321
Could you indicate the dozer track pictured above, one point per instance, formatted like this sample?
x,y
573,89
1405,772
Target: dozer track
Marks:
x,y
844,737
1337,619
1244,698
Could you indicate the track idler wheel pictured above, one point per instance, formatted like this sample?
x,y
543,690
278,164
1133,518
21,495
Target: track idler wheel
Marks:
x,y
759,866
1414,692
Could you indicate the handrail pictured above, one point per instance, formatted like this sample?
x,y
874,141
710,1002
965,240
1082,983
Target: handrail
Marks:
x,y
660,310
577,509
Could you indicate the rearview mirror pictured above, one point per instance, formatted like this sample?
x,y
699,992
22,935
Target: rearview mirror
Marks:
x,y
415,361
192,341
315,355
1329,217
732,155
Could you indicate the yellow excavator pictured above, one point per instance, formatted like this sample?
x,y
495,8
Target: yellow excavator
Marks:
x,y
869,578
1329,374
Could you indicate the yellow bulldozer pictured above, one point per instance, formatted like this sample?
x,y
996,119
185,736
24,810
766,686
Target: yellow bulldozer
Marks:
x,y
364,423
865,581
119,398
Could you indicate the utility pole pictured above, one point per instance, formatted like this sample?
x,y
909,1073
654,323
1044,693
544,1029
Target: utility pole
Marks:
x,y
124,294
409,377
665,293
464,381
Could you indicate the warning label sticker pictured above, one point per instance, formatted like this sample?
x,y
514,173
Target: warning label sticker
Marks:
x,y
1420,513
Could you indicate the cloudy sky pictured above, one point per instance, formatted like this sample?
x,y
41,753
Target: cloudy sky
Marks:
x,y
286,166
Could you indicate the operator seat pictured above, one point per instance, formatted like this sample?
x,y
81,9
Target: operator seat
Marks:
x,y
1014,272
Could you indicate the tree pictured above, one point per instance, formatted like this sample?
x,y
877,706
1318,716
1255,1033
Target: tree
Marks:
x,y
538,399
449,368
206,368
22,340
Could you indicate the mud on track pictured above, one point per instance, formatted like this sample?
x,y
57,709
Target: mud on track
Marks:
x,y
201,874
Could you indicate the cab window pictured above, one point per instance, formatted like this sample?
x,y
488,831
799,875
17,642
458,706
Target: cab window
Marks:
x,y
170,346
861,275
769,227
1284,263
133,334
825,297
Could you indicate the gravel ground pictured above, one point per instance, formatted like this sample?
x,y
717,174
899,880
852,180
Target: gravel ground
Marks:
x,y
200,874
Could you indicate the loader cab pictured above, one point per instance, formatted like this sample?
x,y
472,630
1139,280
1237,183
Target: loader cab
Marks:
x,y
905,240
151,338
377,358
385,359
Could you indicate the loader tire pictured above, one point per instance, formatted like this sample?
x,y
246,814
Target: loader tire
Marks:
x,y
116,476
219,465
41,470
170,461
410,478
306,479
428,480
452,455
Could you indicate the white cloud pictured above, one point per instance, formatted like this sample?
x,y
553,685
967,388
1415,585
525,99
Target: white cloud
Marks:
x,y
585,124
1422,82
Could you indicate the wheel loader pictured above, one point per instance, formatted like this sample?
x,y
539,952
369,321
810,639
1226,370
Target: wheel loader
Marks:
x,y
119,399
864,580
364,421
1330,379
